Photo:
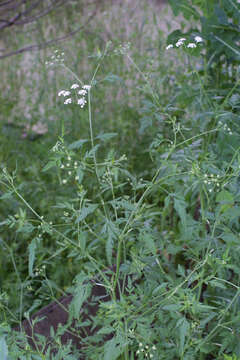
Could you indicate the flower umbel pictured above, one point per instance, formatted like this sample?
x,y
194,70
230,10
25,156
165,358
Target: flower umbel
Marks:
x,y
74,86
198,39
192,45
82,92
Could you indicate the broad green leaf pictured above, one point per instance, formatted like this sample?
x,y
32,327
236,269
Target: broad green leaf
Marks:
x,y
3,349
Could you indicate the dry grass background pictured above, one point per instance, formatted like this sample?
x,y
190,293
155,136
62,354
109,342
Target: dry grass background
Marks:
x,y
25,85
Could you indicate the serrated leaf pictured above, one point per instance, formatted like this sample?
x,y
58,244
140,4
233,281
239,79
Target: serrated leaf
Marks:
x,y
106,330
82,290
149,242
3,349
112,349
80,175
218,284
49,165
109,249
172,307
90,153
31,257
112,78
85,211
180,207
183,326
225,197
77,144
106,136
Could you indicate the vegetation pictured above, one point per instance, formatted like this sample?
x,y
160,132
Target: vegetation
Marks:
x,y
140,175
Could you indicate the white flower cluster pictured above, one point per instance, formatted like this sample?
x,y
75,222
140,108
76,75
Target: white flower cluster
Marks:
x,y
191,45
71,169
211,180
81,100
56,58
225,128
146,351
122,49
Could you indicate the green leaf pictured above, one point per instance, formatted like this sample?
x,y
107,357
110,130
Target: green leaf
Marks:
x,y
230,238
109,249
219,284
3,349
180,207
183,326
149,243
31,258
91,153
85,211
49,165
106,136
172,307
82,290
112,78
112,349
77,144
225,197
80,174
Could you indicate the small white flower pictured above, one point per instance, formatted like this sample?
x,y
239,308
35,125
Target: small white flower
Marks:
x,y
179,43
81,102
64,181
68,101
82,92
74,86
87,87
182,39
170,46
69,158
77,178
191,45
75,163
62,92
62,166
69,173
198,39
66,93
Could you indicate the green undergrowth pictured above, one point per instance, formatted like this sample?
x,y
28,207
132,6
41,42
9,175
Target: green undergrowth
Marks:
x,y
152,193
